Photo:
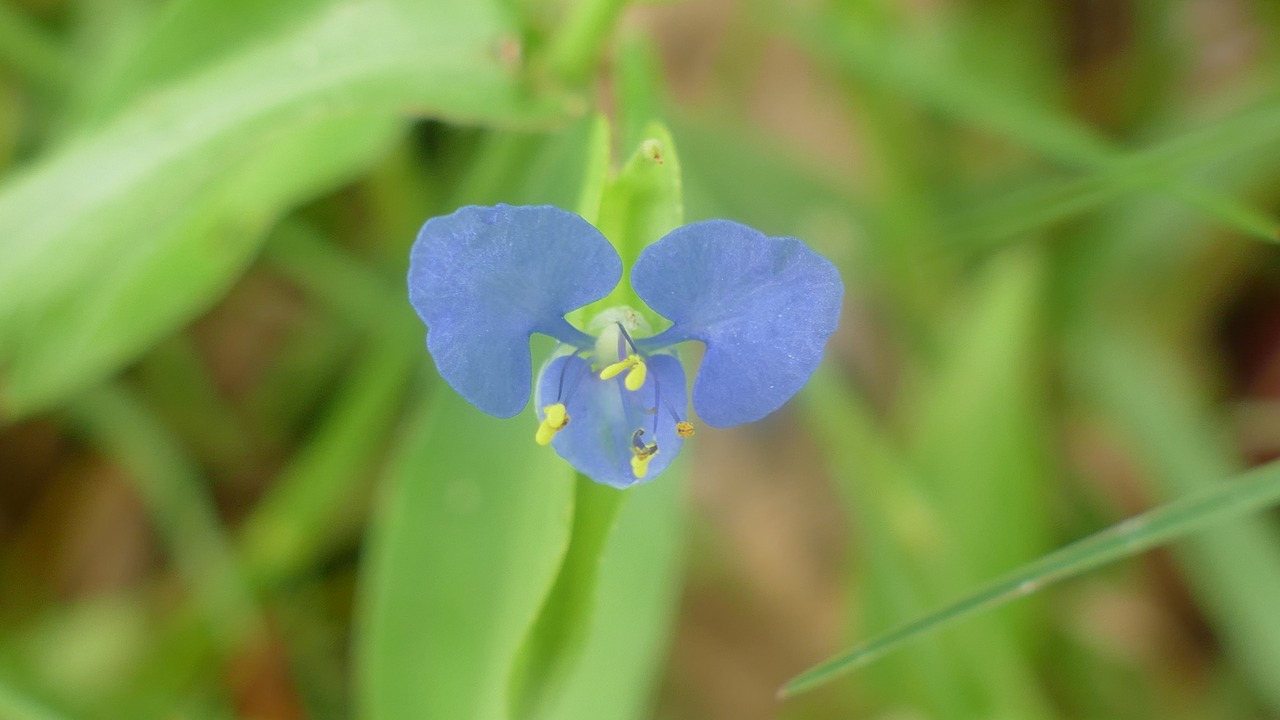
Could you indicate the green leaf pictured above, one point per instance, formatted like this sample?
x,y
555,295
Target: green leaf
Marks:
x,y
635,599
980,460
1250,492
557,639
185,37
596,170
643,203
464,549
924,520
133,228
893,520
582,38
981,432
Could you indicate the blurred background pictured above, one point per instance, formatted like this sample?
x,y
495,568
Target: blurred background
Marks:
x,y
231,484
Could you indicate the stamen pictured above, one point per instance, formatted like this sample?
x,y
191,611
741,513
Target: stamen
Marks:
x,y
556,415
611,371
554,418
564,368
636,369
635,378
684,428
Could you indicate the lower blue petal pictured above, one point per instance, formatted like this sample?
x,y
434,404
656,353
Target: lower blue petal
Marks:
x,y
764,306
483,279
603,415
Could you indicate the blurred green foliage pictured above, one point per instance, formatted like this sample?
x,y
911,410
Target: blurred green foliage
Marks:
x,y
232,486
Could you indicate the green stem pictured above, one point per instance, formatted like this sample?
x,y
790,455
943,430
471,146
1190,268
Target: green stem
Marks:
x,y
577,48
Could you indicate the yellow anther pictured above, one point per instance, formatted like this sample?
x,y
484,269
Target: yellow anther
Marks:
x,y
635,378
611,371
640,462
554,418
684,429
637,371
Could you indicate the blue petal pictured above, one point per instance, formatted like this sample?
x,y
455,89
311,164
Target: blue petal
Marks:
x,y
603,415
485,278
764,307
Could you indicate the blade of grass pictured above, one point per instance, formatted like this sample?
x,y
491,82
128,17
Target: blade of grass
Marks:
x,y
1150,283
318,487
1249,492
318,496
918,549
1159,405
179,505
351,290
896,529
1022,210
979,445
918,71
579,43
174,380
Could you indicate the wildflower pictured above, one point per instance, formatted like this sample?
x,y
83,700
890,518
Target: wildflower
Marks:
x,y
611,399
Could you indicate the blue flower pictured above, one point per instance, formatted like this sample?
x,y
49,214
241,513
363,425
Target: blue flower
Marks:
x,y
611,398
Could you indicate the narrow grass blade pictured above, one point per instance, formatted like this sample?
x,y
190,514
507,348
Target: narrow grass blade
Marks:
x,y
915,70
1250,492
179,504
316,499
1019,211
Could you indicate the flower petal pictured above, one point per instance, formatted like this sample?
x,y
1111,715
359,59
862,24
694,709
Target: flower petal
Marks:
x,y
764,307
484,279
597,440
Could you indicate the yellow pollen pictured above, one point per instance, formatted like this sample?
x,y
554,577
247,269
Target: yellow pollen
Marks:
x,y
554,418
637,371
684,429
